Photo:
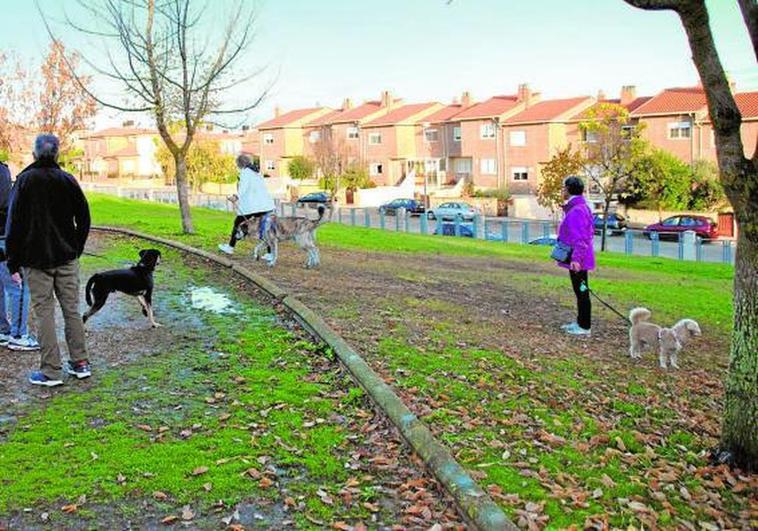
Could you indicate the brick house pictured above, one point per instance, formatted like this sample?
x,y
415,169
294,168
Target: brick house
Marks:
x,y
120,152
281,138
390,141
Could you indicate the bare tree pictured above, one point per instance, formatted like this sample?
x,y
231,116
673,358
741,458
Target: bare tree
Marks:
x,y
739,175
332,156
160,55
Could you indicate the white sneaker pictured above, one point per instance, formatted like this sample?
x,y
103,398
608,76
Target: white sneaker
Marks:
x,y
4,338
569,325
225,248
577,330
23,343
267,257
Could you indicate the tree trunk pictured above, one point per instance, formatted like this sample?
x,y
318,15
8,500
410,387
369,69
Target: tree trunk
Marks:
x,y
739,436
604,232
182,192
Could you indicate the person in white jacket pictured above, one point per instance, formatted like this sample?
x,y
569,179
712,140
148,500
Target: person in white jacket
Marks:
x,y
252,199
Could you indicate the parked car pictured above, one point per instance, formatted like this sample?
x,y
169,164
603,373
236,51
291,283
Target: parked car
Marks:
x,y
453,210
416,208
313,200
616,223
447,228
545,240
670,228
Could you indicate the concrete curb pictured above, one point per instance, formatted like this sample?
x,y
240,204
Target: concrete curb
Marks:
x,y
473,503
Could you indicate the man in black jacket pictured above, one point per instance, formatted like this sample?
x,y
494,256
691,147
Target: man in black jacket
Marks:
x,y
48,224
14,332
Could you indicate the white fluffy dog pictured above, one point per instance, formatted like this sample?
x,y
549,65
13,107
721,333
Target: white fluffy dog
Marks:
x,y
645,335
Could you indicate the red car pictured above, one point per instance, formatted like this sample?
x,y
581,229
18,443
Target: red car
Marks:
x,y
704,227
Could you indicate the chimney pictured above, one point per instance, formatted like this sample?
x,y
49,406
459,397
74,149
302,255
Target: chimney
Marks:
x,y
277,111
347,104
246,128
601,95
524,94
127,123
466,98
387,98
628,94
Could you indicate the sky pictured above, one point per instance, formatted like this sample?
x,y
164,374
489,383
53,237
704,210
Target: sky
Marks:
x,y
318,52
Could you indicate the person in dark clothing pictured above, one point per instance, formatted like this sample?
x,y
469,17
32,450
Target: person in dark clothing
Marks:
x,y
47,228
14,299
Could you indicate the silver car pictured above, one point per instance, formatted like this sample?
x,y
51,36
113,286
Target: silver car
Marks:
x,y
453,210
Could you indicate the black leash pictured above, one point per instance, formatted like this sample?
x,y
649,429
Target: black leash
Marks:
x,y
93,255
584,287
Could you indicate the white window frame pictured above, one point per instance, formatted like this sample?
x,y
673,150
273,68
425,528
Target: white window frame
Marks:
x,y
488,166
517,138
268,138
487,131
431,135
464,165
374,139
314,136
270,165
679,127
375,169
517,171
457,133
589,137
352,133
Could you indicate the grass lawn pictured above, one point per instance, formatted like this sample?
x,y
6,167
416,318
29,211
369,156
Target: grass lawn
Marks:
x,y
562,432
212,414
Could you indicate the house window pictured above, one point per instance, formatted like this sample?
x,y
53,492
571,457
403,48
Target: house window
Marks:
x,y
268,138
518,138
270,165
589,136
431,135
375,169
352,132
375,139
443,165
488,166
520,173
463,166
680,130
314,137
627,130
487,130
457,133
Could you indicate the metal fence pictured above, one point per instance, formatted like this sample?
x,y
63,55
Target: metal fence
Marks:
x,y
636,242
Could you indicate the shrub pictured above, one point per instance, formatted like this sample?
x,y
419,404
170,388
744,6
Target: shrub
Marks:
x,y
301,168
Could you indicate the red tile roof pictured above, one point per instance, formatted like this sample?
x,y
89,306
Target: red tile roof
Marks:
x,y
400,114
547,110
494,106
120,131
629,106
445,114
637,102
288,118
128,151
361,111
748,104
325,119
674,101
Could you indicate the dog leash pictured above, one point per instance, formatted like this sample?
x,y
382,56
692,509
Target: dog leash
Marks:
x,y
584,287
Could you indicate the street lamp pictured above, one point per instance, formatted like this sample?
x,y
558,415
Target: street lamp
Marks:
x,y
425,126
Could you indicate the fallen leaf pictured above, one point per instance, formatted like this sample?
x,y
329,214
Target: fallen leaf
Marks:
x,y
200,471
158,495
144,427
170,519
187,513
373,507
207,487
71,508
265,483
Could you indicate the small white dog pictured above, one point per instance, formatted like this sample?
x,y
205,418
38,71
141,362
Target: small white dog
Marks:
x,y
645,335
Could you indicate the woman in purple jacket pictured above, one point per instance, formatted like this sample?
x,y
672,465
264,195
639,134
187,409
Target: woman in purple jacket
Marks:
x,y
577,230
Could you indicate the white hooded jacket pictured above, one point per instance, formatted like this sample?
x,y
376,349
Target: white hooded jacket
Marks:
x,y
253,194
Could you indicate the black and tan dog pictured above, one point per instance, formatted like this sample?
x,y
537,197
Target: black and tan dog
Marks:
x,y
136,281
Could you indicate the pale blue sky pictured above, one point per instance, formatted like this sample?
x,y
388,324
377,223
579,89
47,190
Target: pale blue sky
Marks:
x,y
321,51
